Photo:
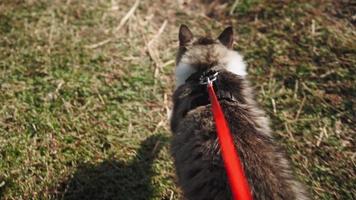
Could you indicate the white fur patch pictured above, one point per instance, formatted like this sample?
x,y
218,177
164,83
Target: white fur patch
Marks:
x,y
231,60
234,63
183,71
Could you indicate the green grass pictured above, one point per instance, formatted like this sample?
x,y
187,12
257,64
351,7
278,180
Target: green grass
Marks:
x,y
80,122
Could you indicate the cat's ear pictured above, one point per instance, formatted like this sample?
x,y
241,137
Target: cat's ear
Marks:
x,y
227,37
185,35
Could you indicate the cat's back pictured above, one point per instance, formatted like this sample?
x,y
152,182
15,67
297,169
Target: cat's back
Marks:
x,y
198,161
200,172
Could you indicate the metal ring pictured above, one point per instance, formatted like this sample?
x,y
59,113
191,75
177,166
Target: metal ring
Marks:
x,y
209,79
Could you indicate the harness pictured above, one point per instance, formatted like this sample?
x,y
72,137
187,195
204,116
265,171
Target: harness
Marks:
x,y
200,96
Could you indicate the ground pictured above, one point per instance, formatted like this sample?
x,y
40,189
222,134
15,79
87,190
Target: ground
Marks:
x,y
85,90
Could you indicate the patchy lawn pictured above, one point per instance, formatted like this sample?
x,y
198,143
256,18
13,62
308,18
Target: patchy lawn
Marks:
x,y
85,91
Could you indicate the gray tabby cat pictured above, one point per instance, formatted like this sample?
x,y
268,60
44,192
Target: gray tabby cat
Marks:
x,y
195,148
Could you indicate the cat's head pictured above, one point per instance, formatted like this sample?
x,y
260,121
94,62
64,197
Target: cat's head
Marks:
x,y
203,53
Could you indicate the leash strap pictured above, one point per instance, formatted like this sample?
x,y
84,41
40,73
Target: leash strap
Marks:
x,y
238,182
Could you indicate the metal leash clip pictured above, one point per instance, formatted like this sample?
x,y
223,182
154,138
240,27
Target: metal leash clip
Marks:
x,y
208,77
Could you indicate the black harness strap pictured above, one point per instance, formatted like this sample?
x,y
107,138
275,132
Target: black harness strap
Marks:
x,y
200,95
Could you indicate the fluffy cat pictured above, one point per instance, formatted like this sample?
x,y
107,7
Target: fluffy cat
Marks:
x,y
195,147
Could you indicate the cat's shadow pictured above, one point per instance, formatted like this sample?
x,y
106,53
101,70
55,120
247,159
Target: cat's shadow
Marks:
x,y
112,179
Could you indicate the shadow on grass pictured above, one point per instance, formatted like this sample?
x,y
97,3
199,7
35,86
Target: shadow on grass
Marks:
x,y
116,179
1,191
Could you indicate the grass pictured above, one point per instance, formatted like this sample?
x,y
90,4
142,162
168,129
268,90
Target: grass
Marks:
x,y
84,104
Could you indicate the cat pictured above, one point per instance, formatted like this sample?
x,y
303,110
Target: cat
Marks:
x,y
195,148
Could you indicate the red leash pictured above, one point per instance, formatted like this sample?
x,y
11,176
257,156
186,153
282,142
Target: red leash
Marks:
x,y
238,182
